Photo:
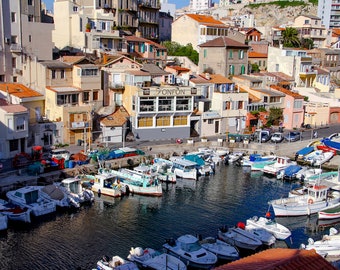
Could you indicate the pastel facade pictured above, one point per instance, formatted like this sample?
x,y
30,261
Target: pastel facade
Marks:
x,y
318,114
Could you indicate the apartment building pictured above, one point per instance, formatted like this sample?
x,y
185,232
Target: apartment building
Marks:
x,y
329,12
199,5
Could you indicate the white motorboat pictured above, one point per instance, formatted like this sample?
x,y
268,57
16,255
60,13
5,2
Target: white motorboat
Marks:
x,y
319,157
235,156
76,192
115,263
188,249
30,197
161,170
328,246
316,198
306,172
279,231
15,212
280,164
221,249
184,168
137,182
3,222
266,237
253,158
106,184
55,193
330,177
239,238
152,259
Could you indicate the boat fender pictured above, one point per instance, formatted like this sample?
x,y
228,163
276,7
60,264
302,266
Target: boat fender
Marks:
x,y
310,201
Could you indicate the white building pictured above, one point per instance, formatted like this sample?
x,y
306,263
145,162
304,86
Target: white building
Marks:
x,y
197,5
21,33
329,13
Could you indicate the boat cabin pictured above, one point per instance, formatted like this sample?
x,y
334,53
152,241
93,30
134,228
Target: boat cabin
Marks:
x,y
317,193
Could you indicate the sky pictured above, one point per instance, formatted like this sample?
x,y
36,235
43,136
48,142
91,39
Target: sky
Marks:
x,y
179,3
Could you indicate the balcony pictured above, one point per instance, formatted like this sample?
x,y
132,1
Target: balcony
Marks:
x,y
148,5
116,85
15,48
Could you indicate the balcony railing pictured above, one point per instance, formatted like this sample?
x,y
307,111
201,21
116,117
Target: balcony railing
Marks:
x,y
15,48
116,85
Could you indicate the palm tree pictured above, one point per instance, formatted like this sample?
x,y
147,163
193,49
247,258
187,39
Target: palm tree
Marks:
x,y
290,37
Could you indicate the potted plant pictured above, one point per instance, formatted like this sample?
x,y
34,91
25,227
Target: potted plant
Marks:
x,y
204,139
88,27
190,141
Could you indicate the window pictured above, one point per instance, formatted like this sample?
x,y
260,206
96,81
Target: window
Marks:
x,y
183,103
30,18
14,39
13,145
165,104
95,95
265,99
297,104
240,54
86,96
29,38
53,74
230,54
147,104
13,16
62,74
14,62
231,70
20,123
89,72
163,121
30,2
277,67
205,53
67,99
180,120
15,79
210,121
145,122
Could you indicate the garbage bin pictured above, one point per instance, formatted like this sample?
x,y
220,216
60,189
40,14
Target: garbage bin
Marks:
x,y
80,142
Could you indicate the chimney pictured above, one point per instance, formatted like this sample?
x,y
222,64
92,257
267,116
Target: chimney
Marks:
x,y
207,76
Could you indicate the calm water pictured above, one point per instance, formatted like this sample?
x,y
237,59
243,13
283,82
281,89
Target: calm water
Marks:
x,y
112,226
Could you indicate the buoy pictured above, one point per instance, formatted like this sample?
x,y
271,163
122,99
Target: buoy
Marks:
x,y
268,214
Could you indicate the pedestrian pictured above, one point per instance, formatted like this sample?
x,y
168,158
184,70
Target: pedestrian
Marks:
x,y
315,134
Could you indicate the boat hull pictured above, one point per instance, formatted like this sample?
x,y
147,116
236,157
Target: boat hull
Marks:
x,y
332,212
279,231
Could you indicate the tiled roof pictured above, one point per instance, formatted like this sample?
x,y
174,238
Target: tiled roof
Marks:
x,y
218,78
154,70
72,59
223,42
179,68
137,72
140,39
117,119
335,32
257,55
207,20
280,259
19,90
286,92
55,64
14,108
199,79
253,99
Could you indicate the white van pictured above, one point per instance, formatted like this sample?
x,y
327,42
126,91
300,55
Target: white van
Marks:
x,y
60,153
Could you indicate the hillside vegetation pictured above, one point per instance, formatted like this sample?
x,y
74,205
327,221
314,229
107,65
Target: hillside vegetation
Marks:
x,y
279,12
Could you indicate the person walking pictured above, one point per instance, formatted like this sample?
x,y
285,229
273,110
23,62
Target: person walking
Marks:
x,y
315,134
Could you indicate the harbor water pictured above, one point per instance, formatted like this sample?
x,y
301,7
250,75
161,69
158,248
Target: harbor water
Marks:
x,y
111,226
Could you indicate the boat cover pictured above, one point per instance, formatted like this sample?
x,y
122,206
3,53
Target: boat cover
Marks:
x,y
304,151
332,144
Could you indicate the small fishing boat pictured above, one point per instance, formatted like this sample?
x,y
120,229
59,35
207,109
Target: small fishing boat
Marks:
x,y
278,230
55,193
153,259
189,250
238,237
29,197
330,212
221,249
259,165
181,167
266,237
76,192
331,143
306,172
253,158
289,172
280,164
115,263
304,151
15,212
332,176
317,198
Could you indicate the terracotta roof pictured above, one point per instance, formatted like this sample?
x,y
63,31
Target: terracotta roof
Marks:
x,y
117,119
137,72
257,55
218,78
14,108
287,92
223,42
280,259
203,19
19,90
140,39
179,68
72,59
199,79
335,32
253,99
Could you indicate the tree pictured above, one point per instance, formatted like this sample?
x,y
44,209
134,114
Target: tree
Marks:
x,y
275,116
307,43
290,37
255,68
175,49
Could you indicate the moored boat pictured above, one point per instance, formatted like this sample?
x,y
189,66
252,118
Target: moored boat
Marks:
x,y
15,212
221,249
29,197
280,164
330,212
115,263
153,259
76,192
239,238
317,198
138,183
278,230
188,249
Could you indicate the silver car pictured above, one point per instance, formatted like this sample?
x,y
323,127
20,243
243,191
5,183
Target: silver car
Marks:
x,y
277,137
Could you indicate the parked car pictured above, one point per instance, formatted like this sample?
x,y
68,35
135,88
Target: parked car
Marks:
x,y
60,153
293,136
265,136
277,137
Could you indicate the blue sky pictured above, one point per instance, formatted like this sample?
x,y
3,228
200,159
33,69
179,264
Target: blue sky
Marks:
x,y
179,3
